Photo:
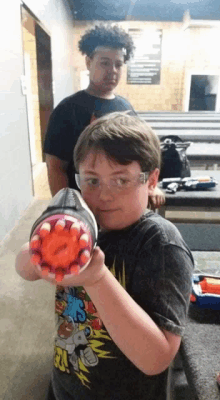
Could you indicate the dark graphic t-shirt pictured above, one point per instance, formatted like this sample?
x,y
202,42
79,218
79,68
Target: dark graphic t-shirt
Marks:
x,y
70,118
154,265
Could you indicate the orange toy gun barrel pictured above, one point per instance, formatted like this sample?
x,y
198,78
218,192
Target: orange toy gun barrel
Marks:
x,y
64,236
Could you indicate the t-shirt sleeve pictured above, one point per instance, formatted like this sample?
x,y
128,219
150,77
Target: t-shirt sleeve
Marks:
x,y
128,106
132,109
59,138
163,288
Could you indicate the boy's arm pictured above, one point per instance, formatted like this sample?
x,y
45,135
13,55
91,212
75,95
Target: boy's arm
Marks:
x,y
23,265
131,328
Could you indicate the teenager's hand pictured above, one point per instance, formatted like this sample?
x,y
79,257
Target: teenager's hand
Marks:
x,y
157,199
94,271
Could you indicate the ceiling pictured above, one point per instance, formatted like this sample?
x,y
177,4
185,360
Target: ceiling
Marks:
x,y
147,10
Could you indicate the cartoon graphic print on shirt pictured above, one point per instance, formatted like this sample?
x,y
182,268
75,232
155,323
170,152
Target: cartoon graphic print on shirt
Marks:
x,y
81,336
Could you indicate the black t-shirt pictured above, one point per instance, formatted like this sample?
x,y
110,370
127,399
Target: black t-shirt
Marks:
x,y
70,118
154,265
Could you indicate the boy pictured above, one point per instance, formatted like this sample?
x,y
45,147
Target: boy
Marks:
x,y
107,48
121,319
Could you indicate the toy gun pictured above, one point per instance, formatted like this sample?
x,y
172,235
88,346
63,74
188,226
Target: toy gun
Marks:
x,y
64,236
198,183
206,291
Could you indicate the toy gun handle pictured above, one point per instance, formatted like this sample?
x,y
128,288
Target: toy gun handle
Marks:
x,y
63,237
169,181
172,187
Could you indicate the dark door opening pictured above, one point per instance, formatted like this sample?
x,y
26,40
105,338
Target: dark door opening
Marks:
x,y
38,77
203,92
44,72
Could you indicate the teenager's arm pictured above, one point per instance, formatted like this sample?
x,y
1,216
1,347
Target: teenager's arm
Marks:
x,y
57,174
157,199
131,328
23,265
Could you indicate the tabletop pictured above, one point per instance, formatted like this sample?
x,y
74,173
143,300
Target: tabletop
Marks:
x,y
197,198
200,347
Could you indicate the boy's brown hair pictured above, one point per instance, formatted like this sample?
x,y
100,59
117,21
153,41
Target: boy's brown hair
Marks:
x,y
123,138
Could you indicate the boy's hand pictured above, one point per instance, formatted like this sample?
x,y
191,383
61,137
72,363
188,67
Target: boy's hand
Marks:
x,y
157,199
94,271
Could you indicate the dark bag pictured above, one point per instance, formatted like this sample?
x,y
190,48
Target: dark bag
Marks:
x,y
175,163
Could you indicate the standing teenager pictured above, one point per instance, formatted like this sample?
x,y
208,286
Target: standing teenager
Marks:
x,y
107,48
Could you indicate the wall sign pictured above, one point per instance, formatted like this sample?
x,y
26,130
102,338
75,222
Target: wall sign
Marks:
x,y
144,67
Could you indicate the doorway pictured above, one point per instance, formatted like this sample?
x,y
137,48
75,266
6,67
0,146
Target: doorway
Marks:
x,y
39,93
44,78
203,92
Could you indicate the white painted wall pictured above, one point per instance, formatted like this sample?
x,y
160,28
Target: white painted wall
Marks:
x,y
15,166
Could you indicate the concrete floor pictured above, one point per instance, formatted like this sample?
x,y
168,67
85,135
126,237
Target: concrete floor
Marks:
x,y
27,311
40,181
26,320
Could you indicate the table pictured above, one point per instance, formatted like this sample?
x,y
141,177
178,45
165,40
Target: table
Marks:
x,y
204,153
200,352
200,347
204,200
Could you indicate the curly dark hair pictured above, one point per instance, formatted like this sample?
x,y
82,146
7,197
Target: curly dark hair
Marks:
x,y
108,36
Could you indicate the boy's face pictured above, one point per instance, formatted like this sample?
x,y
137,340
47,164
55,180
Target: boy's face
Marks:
x,y
105,68
114,208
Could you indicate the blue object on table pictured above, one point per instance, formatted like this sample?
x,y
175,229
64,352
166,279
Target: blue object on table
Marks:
x,y
189,184
204,300
196,184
